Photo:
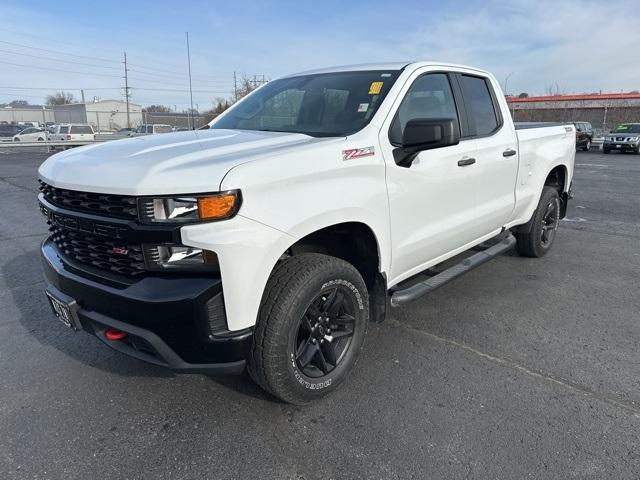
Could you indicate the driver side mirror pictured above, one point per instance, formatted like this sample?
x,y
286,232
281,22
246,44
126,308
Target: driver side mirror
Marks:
x,y
425,134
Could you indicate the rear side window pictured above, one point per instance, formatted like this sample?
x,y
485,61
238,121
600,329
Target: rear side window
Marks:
x,y
430,97
479,104
81,129
163,129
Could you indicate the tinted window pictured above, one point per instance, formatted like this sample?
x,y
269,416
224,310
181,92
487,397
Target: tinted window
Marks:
x,y
81,129
429,97
64,129
628,128
479,104
327,104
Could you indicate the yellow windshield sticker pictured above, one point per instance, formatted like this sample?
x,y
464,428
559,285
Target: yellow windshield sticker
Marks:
x,y
375,88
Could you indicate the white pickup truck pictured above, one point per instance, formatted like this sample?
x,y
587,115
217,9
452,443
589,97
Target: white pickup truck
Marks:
x,y
271,239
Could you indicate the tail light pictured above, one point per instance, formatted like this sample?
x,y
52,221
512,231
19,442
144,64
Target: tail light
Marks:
x,y
68,137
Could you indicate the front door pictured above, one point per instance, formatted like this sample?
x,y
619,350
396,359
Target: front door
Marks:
x,y
432,201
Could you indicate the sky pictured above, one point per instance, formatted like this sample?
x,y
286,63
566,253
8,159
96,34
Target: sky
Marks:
x,y
532,46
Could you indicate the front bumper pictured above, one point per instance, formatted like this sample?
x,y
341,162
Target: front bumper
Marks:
x,y
167,318
622,146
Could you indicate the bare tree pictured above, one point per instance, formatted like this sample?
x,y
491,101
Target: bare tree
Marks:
x,y
156,109
19,103
246,85
60,98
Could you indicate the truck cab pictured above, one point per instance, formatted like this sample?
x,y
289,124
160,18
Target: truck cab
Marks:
x,y
269,240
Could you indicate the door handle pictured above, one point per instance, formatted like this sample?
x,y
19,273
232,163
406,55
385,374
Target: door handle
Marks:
x,y
466,161
509,152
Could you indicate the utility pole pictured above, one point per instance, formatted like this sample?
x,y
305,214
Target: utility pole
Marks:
x,y
126,89
190,89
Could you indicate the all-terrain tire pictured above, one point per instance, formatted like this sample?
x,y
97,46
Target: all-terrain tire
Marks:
x,y
294,284
545,218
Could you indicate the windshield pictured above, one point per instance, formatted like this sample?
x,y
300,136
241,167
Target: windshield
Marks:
x,y
321,105
628,128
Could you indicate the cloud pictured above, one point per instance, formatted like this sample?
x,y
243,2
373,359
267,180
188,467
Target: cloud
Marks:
x,y
542,42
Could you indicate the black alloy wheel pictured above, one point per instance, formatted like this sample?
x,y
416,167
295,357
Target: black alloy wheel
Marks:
x,y
324,333
550,222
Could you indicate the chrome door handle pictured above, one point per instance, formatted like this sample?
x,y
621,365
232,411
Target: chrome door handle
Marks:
x,y
509,152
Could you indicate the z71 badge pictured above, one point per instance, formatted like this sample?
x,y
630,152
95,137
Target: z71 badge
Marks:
x,y
354,153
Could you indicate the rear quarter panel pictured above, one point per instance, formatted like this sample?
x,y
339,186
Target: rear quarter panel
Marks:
x,y
540,151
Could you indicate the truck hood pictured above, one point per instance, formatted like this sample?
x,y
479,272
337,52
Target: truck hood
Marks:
x,y
168,163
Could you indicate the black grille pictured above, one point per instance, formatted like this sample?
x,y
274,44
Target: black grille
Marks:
x,y
99,252
119,206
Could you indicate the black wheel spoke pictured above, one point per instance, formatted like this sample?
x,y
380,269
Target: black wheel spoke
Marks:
x,y
322,362
341,334
329,300
344,319
306,353
329,353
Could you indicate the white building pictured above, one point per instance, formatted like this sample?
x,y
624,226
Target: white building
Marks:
x,y
103,115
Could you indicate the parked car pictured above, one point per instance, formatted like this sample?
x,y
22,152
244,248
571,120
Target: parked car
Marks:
x,y
151,129
624,138
73,132
31,134
584,135
8,131
305,211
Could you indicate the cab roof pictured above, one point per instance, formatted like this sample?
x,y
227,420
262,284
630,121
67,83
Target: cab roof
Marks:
x,y
382,66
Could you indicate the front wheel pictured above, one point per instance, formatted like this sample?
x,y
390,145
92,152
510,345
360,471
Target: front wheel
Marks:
x,y
311,327
545,221
587,146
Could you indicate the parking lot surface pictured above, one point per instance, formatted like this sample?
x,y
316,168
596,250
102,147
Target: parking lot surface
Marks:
x,y
524,368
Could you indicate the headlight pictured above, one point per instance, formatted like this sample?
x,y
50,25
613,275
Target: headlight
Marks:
x,y
633,139
188,208
171,257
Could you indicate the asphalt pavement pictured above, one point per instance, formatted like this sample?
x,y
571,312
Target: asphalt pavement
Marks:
x,y
524,368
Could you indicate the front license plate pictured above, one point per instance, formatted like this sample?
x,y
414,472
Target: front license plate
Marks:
x,y
618,146
64,310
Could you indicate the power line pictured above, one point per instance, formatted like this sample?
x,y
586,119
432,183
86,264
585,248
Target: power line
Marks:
x,y
179,77
172,72
59,52
57,59
59,70
178,90
62,88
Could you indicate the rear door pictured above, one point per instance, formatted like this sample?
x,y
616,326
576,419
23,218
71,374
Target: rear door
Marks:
x,y
496,152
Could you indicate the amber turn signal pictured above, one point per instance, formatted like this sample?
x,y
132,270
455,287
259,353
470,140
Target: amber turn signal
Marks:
x,y
218,207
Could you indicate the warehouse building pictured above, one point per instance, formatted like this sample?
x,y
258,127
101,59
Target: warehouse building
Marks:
x,y
39,115
603,110
103,115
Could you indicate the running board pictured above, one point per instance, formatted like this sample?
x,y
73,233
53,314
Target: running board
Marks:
x,y
400,297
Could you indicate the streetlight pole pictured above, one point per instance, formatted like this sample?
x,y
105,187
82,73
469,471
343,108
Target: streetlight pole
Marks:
x,y
506,80
190,90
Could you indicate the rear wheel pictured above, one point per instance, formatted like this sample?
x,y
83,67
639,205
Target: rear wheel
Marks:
x,y
311,327
545,221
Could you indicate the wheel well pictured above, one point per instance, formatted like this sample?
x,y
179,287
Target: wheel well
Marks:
x,y
557,179
353,242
